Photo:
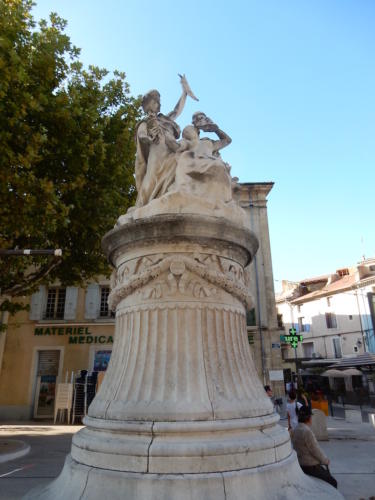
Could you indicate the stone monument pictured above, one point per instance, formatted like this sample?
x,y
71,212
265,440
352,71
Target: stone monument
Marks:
x,y
181,413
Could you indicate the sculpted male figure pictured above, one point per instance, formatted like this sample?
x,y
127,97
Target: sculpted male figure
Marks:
x,y
200,171
203,122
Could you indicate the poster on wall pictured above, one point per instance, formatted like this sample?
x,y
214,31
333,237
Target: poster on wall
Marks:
x,y
101,360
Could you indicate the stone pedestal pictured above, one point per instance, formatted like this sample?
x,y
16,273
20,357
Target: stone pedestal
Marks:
x,y
319,425
181,413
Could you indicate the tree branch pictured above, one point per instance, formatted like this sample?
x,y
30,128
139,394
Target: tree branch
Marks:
x,y
32,279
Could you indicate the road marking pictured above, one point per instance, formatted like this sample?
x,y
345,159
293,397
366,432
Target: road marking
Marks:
x,y
16,470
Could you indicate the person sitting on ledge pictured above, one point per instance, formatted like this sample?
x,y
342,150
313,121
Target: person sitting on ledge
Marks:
x,y
310,456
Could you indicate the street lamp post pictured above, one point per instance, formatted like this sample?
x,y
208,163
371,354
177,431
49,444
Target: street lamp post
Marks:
x,y
5,252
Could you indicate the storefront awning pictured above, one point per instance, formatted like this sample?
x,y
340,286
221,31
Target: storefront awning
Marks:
x,y
366,359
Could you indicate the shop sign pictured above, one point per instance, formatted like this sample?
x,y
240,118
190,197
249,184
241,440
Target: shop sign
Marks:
x,y
276,375
77,335
292,340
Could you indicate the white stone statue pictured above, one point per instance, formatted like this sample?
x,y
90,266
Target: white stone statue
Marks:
x,y
181,413
156,146
184,175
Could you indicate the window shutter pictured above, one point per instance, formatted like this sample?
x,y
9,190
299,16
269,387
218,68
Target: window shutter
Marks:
x,y
70,302
92,302
37,304
48,362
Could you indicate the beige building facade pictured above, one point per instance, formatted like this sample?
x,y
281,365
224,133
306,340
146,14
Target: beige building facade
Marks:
x,y
333,313
66,330
71,329
264,335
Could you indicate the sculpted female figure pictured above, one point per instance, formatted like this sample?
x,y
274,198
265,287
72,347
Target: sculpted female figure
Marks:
x,y
155,163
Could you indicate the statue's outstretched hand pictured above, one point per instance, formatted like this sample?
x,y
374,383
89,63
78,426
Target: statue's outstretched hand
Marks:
x,y
186,87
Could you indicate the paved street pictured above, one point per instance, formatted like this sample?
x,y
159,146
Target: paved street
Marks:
x,y
351,449
49,446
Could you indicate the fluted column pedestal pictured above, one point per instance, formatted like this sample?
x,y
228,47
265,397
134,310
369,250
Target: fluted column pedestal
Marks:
x,y
181,413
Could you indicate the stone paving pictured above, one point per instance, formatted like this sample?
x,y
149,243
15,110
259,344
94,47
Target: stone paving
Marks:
x,y
351,449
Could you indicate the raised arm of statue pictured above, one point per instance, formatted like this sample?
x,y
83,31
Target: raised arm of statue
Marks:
x,y
186,91
224,141
202,122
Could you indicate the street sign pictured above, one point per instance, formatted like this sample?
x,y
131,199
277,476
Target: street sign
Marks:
x,y
276,375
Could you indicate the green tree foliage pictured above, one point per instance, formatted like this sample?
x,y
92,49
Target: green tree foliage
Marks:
x,y
66,152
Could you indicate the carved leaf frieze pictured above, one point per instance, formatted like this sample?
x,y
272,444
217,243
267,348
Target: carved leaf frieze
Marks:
x,y
197,275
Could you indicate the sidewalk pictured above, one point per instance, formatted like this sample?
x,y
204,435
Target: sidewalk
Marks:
x,y
351,449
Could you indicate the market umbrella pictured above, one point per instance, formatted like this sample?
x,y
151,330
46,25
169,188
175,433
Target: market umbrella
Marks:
x,y
333,373
350,372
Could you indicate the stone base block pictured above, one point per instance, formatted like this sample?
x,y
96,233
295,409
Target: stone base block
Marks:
x,y
282,480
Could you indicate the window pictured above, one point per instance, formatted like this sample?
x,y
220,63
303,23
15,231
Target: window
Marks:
x,y
343,272
331,320
55,303
337,347
104,309
301,324
280,323
308,349
251,318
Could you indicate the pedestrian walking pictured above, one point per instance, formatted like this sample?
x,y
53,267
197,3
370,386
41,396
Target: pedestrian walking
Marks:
x,y
303,399
310,456
292,407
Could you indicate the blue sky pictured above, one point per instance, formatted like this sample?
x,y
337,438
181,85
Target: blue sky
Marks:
x,y
291,81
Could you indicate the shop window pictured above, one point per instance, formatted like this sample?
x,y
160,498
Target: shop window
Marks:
x,y
47,371
104,309
101,360
331,320
55,305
